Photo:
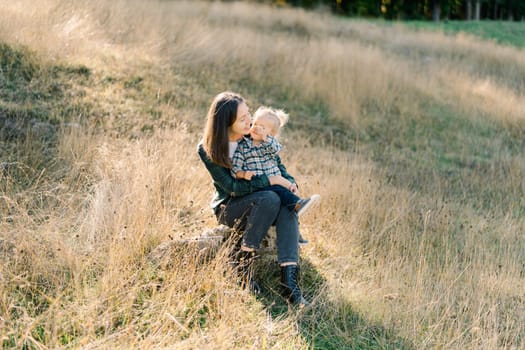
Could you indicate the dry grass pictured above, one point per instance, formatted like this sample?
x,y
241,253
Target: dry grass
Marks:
x,y
414,140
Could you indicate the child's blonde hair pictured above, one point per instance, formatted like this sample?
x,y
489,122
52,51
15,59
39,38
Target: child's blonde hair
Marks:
x,y
278,116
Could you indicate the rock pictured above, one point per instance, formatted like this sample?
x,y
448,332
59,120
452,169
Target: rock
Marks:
x,y
202,248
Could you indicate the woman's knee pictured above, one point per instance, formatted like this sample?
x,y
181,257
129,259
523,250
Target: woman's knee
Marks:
x,y
269,198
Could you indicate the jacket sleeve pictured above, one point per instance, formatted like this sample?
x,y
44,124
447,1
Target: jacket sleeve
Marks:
x,y
235,187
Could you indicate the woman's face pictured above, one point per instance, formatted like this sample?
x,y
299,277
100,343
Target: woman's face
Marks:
x,y
242,123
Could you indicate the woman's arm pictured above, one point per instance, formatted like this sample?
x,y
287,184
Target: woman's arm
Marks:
x,y
223,178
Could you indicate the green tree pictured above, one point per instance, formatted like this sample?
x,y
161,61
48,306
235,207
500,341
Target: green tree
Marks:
x,y
421,9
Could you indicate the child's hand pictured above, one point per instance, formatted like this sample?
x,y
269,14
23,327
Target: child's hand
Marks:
x,y
259,133
248,175
294,189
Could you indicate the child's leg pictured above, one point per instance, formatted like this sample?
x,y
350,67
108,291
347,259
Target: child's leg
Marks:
x,y
294,203
302,240
288,198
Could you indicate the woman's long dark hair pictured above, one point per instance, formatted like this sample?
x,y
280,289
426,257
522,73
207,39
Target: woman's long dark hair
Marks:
x,y
221,115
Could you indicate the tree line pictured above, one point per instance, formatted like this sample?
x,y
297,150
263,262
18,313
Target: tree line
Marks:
x,y
512,10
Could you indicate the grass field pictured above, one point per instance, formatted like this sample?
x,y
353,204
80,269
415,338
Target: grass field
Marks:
x,y
414,138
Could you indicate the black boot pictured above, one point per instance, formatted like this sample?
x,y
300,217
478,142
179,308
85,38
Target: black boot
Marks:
x,y
245,261
290,285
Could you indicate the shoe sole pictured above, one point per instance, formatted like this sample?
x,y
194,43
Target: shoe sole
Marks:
x,y
313,199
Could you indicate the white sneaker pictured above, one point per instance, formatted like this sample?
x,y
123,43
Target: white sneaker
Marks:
x,y
307,203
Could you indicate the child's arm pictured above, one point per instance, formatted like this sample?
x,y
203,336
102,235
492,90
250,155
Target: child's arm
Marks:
x,y
284,173
271,146
283,170
238,164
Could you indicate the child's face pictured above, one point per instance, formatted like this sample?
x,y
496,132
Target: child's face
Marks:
x,y
261,127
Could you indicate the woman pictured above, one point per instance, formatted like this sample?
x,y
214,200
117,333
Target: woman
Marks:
x,y
243,204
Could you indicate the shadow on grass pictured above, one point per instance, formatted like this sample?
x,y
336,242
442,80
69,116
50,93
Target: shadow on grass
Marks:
x,y
325,324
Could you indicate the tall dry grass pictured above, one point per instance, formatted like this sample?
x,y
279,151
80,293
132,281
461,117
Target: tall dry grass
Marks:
x,y
348,65
408,262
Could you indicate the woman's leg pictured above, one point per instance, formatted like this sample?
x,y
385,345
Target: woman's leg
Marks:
x,y
253,213
287,229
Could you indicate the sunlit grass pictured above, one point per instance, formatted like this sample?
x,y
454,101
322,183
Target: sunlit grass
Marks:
x,y
413,138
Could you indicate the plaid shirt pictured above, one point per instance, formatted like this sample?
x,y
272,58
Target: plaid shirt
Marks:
x,y
226,186
261,159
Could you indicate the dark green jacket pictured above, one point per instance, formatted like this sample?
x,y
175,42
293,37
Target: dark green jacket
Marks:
x,y
226,186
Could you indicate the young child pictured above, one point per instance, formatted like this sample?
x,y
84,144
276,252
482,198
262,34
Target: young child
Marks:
x,y
259,155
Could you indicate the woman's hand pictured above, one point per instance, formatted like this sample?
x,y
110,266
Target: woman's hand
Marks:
x,y
248,175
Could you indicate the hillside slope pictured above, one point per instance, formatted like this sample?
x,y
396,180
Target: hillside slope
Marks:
x,y
416,141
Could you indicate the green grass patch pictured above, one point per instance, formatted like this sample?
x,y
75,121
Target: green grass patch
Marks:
x,y
35,96
325,324
466,157
502,32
